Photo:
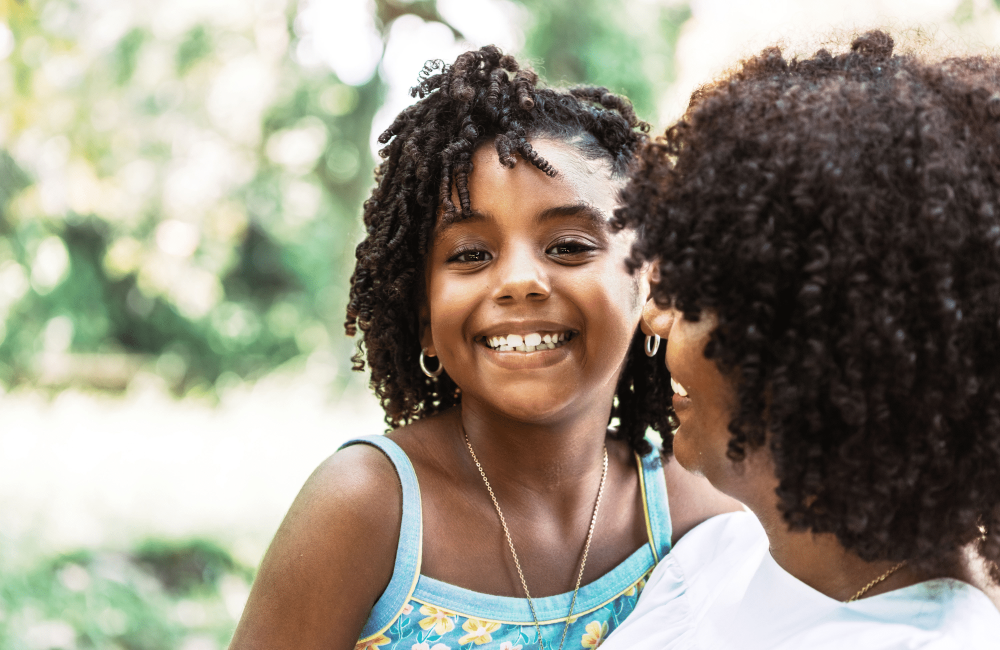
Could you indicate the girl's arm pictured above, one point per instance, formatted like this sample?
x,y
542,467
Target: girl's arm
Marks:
x,y
692,499
330,560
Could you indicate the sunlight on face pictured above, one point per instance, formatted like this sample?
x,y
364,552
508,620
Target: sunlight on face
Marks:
x,y
537,259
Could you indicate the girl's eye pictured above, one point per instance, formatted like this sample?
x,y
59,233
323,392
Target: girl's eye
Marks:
x,y
570,248
471,256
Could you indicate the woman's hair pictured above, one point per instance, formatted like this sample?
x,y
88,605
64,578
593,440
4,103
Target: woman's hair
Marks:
x,y
485,95
841,216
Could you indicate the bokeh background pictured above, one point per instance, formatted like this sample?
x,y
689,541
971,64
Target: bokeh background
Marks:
x,y
180,190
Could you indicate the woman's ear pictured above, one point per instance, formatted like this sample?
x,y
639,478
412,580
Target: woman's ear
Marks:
x,y
653,268
426,336
642,323
651,274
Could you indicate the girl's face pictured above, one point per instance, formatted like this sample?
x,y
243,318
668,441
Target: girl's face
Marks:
x,y
529,305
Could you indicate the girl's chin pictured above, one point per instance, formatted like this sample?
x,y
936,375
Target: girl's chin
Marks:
x,y
537,404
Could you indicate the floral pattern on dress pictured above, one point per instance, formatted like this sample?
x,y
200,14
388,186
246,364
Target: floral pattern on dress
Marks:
x,y
441,620
425,626
373,643
636,588
596,632
478,631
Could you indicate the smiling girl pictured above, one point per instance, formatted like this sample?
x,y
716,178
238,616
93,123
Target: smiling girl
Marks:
x,y
499,324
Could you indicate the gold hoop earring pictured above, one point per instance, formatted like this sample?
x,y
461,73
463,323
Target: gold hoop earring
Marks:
x,y
433,374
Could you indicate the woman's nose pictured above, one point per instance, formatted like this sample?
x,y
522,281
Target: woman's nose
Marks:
x,y
659,319
522,276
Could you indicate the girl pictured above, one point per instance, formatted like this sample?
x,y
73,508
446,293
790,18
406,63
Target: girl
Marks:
x,y
500,327
829,230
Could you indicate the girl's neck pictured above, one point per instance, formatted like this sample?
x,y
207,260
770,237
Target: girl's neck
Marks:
x,y
557,456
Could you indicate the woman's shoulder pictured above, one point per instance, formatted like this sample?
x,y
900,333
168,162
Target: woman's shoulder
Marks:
x,y
958,615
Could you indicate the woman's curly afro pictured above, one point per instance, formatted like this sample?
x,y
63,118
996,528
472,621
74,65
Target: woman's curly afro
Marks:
x,y
485,95
841,216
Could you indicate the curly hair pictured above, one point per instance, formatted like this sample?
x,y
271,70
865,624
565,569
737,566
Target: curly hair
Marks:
x,y
841,216
485,95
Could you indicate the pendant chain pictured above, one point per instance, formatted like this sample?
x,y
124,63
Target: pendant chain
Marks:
x,y
510,543
874,582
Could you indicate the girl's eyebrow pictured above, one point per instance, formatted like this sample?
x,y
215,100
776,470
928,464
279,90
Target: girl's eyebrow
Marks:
x,y
586,211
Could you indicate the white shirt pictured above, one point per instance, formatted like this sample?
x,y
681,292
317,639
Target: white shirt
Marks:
x,y
719,588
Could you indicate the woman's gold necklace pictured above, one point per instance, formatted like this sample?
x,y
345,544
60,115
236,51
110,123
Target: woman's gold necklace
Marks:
x,y
510,543
874,582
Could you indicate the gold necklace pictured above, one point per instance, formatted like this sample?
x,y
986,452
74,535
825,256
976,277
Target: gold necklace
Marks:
x,y
510,543
874,582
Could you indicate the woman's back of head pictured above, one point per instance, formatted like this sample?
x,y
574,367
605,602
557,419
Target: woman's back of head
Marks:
x,y
841,216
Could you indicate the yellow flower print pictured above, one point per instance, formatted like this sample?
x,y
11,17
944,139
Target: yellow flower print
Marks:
x,y
373,643
478,631
595,634
636,588
439,619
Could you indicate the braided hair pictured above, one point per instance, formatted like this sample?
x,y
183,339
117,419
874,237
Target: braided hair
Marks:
x,y
840,214
484,95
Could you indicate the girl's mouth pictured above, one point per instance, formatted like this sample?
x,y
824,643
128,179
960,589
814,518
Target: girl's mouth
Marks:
x,y
528,342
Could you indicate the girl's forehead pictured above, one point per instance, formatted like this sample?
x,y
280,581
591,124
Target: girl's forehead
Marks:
x,y
565,157
578,179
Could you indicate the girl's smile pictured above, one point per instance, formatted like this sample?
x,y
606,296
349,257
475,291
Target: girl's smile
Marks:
x,y
529,305
540,344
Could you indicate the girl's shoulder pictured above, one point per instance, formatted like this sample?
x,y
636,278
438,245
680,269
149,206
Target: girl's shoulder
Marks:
x,y
430,444
334,551
692,499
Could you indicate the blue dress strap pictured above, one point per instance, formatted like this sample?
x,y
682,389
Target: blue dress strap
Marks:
x,y
654,489
407,568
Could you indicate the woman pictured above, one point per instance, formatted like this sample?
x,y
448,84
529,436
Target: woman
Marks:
x,y
828,234
500,326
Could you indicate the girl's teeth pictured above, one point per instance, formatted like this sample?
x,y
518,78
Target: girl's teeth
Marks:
x,y
680,390
526,343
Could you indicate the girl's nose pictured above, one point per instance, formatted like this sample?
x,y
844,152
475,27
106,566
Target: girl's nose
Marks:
x,y
659,319
521,276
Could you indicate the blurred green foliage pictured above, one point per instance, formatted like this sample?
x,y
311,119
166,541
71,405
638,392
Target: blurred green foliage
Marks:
x,y
626,47
180,196
162,595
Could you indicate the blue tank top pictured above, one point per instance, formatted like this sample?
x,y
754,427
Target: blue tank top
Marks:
x,y
420,613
